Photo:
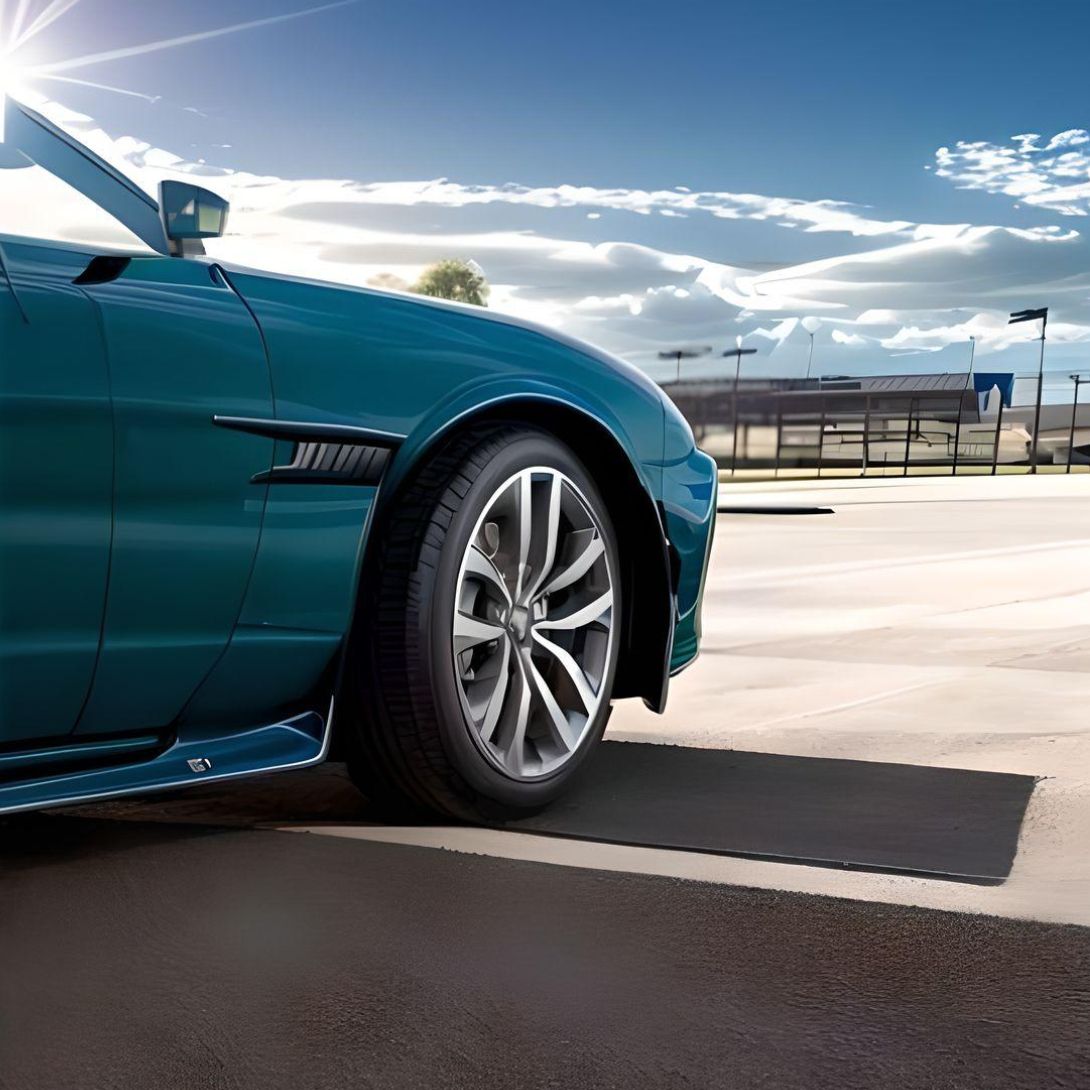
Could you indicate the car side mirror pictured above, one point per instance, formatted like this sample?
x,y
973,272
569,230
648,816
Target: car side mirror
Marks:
x,y
190,215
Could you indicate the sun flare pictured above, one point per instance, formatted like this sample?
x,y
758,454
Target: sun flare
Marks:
x,y
11,83
26,21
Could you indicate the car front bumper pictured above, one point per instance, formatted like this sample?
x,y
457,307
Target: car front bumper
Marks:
x,y
689,494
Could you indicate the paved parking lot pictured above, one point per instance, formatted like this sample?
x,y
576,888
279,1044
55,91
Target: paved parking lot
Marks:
x,y
934,622
141,955
927,621
211,938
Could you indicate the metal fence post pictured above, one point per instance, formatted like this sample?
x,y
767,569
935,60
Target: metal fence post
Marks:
x,y
866,436
821,437
957,437
908,438
998,427
734,419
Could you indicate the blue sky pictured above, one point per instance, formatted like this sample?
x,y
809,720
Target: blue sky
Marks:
x,y
844,98
844,101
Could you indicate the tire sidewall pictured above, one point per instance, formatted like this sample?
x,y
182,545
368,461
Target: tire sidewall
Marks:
x,y
437,618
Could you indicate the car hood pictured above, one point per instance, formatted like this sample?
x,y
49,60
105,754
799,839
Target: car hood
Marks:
x,y
614,363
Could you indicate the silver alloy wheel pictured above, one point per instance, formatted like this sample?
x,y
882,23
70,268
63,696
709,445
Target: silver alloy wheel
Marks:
x,y
533,623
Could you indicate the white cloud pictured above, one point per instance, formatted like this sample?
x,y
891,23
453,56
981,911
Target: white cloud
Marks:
x,y
840,337
1052,174
779,333
989,328
811,216
918,288
256,192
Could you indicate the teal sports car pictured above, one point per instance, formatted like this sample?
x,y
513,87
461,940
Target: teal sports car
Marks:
x,y
247,520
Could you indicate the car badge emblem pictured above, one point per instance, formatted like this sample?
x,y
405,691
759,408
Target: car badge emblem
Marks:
x,y
199,764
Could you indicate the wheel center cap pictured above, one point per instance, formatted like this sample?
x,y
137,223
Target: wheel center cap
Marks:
x,y
518,621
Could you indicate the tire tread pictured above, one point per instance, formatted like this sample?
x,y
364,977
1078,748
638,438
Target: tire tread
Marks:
x,y
396,751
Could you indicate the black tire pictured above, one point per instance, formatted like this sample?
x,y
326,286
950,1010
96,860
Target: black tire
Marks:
x,y
408,741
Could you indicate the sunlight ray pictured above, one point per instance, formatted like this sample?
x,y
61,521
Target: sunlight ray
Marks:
x,y
45,18
18,20
102,87
186,39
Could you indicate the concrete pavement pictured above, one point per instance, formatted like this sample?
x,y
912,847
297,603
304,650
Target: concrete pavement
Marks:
x,y
928,621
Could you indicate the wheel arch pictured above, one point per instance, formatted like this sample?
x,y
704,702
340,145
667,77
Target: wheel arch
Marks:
x,y
647,625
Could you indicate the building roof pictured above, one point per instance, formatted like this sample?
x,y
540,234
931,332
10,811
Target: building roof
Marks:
x,y
712,400
899,384
863,384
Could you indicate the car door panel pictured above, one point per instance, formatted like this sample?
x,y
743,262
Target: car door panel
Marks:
x,y
56,481
182,347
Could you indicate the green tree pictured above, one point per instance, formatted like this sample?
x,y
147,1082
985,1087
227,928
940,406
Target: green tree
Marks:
x,y
460,281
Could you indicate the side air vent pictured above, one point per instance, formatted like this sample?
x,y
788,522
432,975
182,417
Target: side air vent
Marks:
x,y
330,463
323,453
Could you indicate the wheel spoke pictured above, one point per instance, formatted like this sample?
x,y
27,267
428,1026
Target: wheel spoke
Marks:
x,y
471,631
492,710
525,528
557,722
579,566
529,665
579,618
551,533
481,566
574,671
517,714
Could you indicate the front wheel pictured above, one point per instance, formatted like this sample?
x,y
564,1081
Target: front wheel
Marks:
x,y
488,637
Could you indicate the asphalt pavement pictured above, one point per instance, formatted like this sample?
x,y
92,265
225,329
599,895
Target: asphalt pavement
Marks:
x,y
139,954
208,939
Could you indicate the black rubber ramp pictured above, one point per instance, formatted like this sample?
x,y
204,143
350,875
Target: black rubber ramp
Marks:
x,y
154,956
944,822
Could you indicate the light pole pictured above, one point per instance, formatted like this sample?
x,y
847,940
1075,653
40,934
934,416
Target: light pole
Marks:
x,y
811,326
1074,409
1032,316
737,352
680,354
968,383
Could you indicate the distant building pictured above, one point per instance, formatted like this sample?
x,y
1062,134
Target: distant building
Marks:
x,y
874,420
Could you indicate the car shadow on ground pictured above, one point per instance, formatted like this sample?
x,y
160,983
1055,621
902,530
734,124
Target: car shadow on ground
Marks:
x,y
31,841
319,794
954,824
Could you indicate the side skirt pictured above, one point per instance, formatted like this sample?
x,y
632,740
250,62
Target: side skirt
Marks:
x,y
294,743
